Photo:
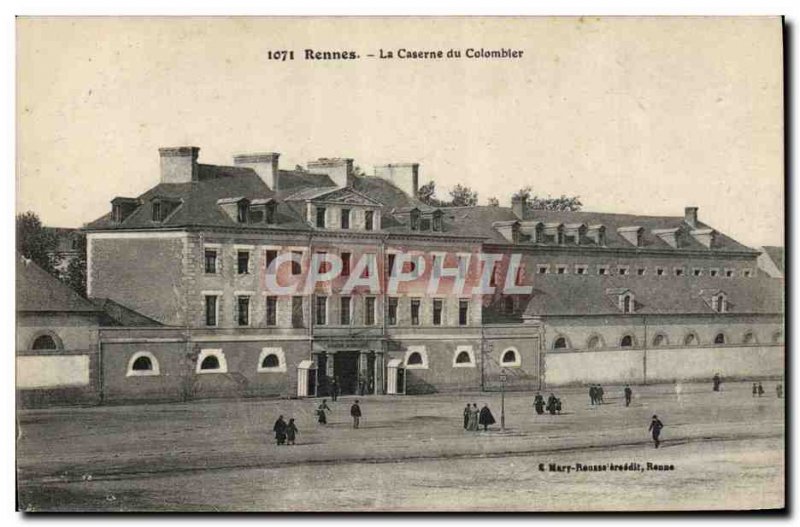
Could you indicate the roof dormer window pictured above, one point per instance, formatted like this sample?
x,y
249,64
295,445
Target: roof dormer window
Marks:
x,y
414,220
162,208
626,303
437,221
719,303
242,210
121,208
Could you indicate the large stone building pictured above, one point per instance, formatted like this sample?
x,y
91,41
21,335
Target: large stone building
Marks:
x,y
428,299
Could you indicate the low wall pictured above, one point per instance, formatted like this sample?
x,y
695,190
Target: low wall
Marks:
x,y
637,366
47,378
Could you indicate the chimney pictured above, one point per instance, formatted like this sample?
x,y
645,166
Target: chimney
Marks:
x,y
404,176
340,170
265,164
518,206
690,216
179,164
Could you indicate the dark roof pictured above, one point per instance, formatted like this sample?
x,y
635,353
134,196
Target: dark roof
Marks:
x,y
555,295
776,254
118,315
39,291
291,180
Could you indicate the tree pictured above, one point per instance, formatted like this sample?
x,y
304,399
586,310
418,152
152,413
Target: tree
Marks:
x,y
561,203
427,194
75,273
460,196
37,243
493,202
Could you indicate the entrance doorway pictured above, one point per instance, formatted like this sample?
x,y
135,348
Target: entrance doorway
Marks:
x,y
345,369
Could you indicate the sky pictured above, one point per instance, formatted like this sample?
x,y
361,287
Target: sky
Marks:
x,y
633,115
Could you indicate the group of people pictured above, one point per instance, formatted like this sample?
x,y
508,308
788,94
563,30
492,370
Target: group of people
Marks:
x,y
596,394
285,433
355,412
758,389
553,405
474,419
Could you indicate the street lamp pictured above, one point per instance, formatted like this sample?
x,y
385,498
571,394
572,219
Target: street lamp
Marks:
x,y
503,379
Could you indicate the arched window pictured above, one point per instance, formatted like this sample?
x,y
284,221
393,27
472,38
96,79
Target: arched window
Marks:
x,y
719,339
626,342
271,360
464,357
142,364
211,361
749,338
593,342
414,359
659,340
44,342
510,357
690,339
560,343
777,337
719,303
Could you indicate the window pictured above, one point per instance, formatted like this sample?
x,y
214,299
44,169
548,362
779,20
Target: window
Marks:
x,y
659,340
345,223
393,311
243,262
437,311
463,312
510,357
713,272
157,211
142,364
369,220
211,361
241,212
271,360
437,222
322,258
659,271
415,311
640,271
561,269
321,311
594,342
243,310
581,269
464,357
728,273
344,310
602,270
297,312
272,311
691,339
369,311
622,271
697,272
345,264
626,342
44,342
542,269
297,259
560,343
414,217
493,276
211,261
749,338
627,303
270,213
747,273
320,217
719,339
414,359
678,271
270,257
718,303
211,310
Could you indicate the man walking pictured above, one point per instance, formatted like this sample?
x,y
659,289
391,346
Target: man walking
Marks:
x,y
538,403
655,426
466,416
717,381
486,418
600,395
592,394
355,412
280,430
334,389
628,394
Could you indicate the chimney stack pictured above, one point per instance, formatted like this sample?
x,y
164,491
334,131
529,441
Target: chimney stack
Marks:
x,y
179,164
404,176
690,216
518,206
265,164
340,170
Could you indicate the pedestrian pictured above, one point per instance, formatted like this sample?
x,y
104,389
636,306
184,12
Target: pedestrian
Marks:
x,y
291,431
655,426
779,391
355,412
592,394
280,430
334,388
538,403
755,389
472,424
551,404
760,390
321,409
628,394
600,395
717,381
486,418
558,405
466,416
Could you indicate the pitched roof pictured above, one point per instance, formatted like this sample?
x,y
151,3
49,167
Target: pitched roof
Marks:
x,y
776,254
39,291
118,315
566,295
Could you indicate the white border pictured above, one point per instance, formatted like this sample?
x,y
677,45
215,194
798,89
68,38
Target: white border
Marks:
x,y
423,353
280,368
155,371
223,364
469,351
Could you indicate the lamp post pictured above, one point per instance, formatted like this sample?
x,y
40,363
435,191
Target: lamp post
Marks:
x,y
503,379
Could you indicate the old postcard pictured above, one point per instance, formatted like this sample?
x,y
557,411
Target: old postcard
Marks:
x,y
400,264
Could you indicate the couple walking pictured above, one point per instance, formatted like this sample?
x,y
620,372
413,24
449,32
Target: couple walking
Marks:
x,y
473,418
284,432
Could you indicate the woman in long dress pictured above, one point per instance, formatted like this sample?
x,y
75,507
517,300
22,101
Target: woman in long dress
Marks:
x,y
321,409
472,423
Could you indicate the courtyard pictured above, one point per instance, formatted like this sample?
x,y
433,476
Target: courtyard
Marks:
x,y
411,453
